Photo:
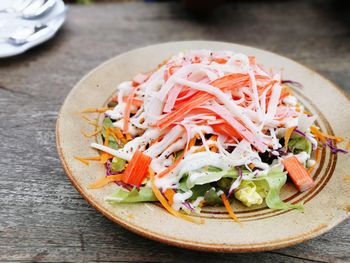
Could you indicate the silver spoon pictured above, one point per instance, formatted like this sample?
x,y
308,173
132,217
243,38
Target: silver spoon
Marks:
x,y
37,8
27,34
17,6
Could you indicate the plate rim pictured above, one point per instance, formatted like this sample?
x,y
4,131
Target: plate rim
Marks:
x,y
210,247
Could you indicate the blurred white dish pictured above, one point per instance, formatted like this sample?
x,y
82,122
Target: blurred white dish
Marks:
x,y
10,22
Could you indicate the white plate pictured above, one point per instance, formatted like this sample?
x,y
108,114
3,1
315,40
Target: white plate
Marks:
x,y
9,23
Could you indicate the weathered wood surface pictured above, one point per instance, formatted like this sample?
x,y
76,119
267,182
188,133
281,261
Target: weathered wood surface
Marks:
x,y
42,217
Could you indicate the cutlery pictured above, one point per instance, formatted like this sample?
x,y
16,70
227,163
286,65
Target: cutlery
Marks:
x,y
30,9
26,34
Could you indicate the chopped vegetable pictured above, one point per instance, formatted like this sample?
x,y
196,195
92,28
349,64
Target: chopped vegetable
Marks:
x,y
121,195
105,180
229,208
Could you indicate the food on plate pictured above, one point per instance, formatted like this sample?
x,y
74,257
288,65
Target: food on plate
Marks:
x,y
206,128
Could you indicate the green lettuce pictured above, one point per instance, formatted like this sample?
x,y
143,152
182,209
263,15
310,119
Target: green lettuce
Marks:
x,y
121,195
212,174
298,143
276,179
107,123
269,187
248,195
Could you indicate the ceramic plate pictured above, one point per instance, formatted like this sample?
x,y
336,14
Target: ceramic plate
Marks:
x,y
326,205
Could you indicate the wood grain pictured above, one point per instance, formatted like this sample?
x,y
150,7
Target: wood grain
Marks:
x,y
42,217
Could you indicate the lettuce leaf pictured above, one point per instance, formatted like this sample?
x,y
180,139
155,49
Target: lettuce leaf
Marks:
x,y
248,195
276,179
269,187
202,176
298,143
121,195
107,123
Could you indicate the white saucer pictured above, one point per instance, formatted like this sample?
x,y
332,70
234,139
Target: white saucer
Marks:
x,y
9,23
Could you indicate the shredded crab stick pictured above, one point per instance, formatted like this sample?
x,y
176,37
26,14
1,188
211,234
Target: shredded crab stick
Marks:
x,y
297,172
137,169
199,115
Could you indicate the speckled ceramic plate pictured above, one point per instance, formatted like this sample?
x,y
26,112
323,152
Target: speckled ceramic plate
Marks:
x,y
326,205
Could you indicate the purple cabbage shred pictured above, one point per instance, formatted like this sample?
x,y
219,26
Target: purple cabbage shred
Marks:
x,y
333,148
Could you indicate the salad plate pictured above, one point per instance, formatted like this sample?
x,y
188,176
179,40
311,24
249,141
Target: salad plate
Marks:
x,y
271,222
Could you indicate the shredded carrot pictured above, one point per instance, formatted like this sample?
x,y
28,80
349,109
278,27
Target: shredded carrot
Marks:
x,y
81,160
111,133
106,142
169,194
213,148
251,166
166,205
128,137
105,180
318,157
137,169
85,160
200,149
213,138
94,158
287,135
323,137
105,157
95,110
229,208
192,142
128,109
348,145
89,135
89,121
298,173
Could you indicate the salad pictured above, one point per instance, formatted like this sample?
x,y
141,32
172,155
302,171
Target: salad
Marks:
x,y
206,128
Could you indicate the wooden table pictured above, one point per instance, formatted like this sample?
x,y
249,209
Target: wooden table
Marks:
x,y
42,217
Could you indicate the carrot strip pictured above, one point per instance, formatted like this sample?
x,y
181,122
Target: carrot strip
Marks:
x,y
89,135
169,194
95,110
318,157
89,121
105,157
128,109
229,208
323,136
105,180
106,142
348,145
94,158
287,135
81,160
166,205
298,173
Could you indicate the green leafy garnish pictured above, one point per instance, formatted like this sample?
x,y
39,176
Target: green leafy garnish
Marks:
x,y
121,195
